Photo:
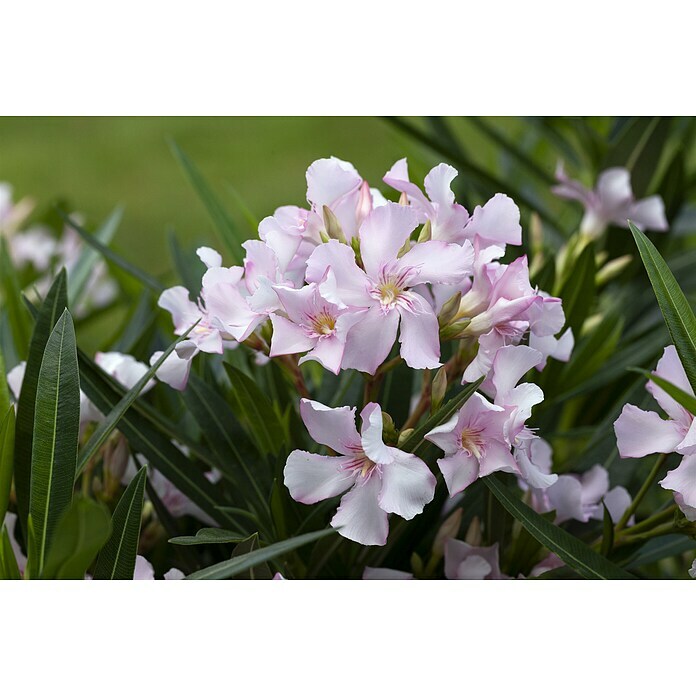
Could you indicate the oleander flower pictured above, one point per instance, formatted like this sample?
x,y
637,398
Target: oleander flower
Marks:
x,y
375,479
611,202
466,562
384,288
145,571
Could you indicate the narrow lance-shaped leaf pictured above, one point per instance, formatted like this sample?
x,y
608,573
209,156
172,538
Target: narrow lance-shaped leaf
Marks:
x,y
688,401
7,435
80,533
4,387
209,535
53,306
568,548
18,320
80,273
224,224
9,570
674,306
108,425
235,566
116,560
56,433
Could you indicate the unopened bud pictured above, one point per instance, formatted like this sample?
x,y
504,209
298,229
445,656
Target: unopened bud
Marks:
x,y
456,330
389,432
333,226
438,389
426,233
613,269
448,530
324,237
449,309
473,534
404,435
403,199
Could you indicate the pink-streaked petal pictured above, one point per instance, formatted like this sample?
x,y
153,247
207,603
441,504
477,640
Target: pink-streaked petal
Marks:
x,y
420,339
439,262
370,340
383,233
639,433
407,485
682,480
497,222
313,477
350,284
333,427
359,516
459,470
288,338
371,434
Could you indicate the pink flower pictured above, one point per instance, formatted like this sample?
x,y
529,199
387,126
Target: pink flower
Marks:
x,y
384,288
611,202
378,479
313,324
474,444
466,562
145,571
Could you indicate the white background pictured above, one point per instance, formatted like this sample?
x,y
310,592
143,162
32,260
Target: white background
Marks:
x,y
354,57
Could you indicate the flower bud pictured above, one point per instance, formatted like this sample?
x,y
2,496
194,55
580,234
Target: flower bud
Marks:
x,y
456,330
426,233
404,435
473,534
403,199
438,389
448,530
389,432
333,226
612,269
449,309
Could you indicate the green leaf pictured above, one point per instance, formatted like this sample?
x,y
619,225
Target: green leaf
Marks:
x,y
209,535
110,255
674,306
56,433
256,411
7,436
80,534
607,532
81,272
4,387
688,401
147,439
108,425
415,440
229,234
53,306
116,560
235,566
20,326
569,548
8,561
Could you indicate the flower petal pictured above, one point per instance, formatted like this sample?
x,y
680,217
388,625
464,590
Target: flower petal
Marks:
x,y
639,433
288,338
371,339
407,485
439,262
333,427
497,222
313,477
359,516
420,338
459,470
682,480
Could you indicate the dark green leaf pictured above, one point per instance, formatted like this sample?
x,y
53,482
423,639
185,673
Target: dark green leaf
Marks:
x,y
569,548
235,566
688,401
209,535
578,290
607,532
53,306
415,440
116,560
8,560
224,224
20,325
7,435
56,433
80,534
675,308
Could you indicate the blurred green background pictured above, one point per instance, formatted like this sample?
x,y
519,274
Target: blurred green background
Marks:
x,y
96,163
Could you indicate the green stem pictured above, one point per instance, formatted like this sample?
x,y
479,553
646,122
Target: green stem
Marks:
x,y
652,521
652,476
666,528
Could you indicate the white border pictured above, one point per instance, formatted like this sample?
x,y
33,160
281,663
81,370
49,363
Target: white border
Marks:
x,y
312,57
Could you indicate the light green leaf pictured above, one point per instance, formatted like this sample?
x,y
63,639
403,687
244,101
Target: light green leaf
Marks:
x,y
209,535
4,387
578,290
116,560
7,436
229,234
53,306
415,440
80,273
235,566
56,433
18,319
674,306
569,548
8,561
80,533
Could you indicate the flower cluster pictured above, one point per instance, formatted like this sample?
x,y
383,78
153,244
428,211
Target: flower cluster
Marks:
x,y
339,281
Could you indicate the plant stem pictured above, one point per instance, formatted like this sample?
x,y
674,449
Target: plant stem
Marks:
x,y
652,521
423,403
652,476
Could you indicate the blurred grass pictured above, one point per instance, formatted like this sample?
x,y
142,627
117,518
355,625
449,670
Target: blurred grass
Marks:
x,y
96,163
